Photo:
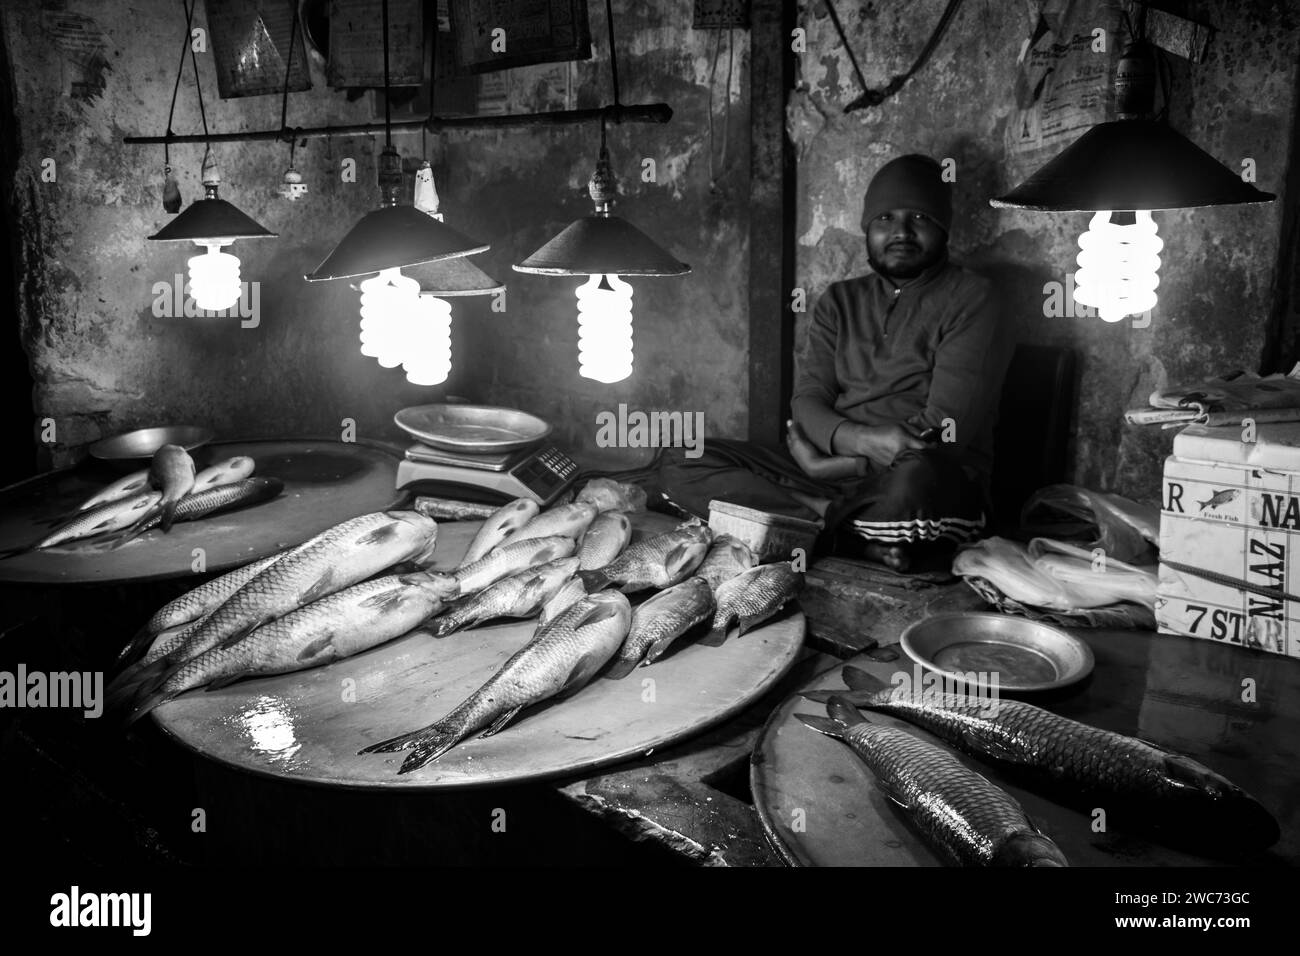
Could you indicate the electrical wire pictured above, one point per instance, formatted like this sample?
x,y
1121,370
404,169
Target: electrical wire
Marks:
x,y
180,69
388,119
613,54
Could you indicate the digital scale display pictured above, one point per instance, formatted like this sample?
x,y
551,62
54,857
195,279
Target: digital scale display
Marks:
x,y
541,474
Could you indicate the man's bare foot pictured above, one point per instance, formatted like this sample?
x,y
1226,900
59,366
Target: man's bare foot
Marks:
x,y
891,556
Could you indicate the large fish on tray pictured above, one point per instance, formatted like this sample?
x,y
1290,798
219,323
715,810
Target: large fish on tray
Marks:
x,y
333,560
512,558
962,816
727,558
237,494
561,658
751,597
568,595
520,595
1134,780
604,540
498,526
659,621
657,562
340,625
570,520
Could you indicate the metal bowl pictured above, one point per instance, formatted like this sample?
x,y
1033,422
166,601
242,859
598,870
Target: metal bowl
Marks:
x,y
1026,655
143,442
472,429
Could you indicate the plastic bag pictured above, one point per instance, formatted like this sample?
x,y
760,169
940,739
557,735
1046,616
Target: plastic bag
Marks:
x,y
609,495
1126,529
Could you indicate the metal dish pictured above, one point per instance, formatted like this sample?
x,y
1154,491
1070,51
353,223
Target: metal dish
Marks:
x,y
1027,655
472,429
143,442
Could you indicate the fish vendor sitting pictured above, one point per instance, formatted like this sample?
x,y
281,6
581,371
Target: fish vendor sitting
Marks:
x,y
898,376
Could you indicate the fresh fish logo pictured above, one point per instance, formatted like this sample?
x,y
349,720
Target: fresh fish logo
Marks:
x,y
1219,498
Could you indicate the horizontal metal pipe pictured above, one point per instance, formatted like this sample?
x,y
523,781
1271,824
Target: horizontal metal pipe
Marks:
x,y
643,113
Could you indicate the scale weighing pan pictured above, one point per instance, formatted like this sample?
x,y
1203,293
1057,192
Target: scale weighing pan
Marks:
x,y
472,429
143,442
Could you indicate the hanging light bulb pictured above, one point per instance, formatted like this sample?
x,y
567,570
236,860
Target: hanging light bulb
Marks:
x,y
605,329
214,277
428,341
1118,265
389,302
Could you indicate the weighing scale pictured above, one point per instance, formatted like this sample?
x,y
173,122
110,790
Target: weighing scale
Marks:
x,y
540,473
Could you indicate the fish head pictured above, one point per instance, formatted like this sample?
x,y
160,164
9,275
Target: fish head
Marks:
x,y
736,550
1194,783
555,573
696,530
551,547
1028,849
264,486
684,558
442,586
425,528
607,608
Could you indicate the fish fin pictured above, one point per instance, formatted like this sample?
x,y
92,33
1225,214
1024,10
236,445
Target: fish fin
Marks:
x,y
717,635
320,589
126,537
447,623
857,698
533,594
499,724
596,614
593,581
620,668
168,515
823,725
858,679
127,685
400,742
314,649
144,519
240,634
385,601
134,649
378,536
658,648
225,679
750,621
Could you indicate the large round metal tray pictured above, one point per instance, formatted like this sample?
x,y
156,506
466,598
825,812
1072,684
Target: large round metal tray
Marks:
x,y
308,726
472,429
144,442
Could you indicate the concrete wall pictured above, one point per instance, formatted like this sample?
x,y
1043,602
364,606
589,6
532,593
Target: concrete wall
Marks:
x,y
102,361
1219,264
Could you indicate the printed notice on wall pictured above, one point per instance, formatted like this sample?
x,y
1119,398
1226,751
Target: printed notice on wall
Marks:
x,y
1063,83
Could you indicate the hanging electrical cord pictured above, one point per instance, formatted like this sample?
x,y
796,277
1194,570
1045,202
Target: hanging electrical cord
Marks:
x,y
171,189
871,97
284,95
613,59
721,162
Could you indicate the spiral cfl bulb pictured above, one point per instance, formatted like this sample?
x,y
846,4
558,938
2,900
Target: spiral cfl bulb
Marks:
x,y
1118,266
428,342
214,278
605,329
389,304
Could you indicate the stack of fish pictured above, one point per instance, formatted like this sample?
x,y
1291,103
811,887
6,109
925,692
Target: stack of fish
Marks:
x,y
572,566
969,821
166,492
307,606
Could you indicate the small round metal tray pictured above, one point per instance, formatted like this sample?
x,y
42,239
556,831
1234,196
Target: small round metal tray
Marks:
x,y
472,428
1026,655
143,442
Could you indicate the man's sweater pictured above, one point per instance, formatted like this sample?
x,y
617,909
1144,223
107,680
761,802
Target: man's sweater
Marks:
x,y
934,348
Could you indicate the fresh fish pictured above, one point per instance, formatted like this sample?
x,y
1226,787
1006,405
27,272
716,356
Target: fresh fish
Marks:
x,y
751,598
659,621
247,491
126,487
113,516
503,522
570,594
340,625
1139,782
207,597
561,658
510,559
961,815
1219,498
727,558
657,562
223,473
519,595
333,560
570,520
604,540
172,473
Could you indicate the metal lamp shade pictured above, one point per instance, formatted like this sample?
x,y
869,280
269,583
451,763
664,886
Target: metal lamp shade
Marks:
x,y
390,238
454,277
211,219
1131,164
602,244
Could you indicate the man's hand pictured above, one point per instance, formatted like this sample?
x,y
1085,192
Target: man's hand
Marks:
x,y
813,462
878,443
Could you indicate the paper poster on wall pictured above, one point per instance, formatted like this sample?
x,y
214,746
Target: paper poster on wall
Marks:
x,y
356,43
498,35
1063,82
250,47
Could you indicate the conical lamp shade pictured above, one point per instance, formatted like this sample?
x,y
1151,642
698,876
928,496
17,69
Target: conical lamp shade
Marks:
x,y
211,219
1131,164
602,244
392,237
454,277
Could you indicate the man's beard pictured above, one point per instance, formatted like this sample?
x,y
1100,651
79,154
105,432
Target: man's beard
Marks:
x,y
910,271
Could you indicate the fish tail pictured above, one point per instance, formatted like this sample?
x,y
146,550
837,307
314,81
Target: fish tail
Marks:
x,y
135,648
144,519
658,649
430,747
823,725
400,742
858,698
855,678
621,668
593,581
717,635
750,621
137,682
447,623
146,704
168,515
843,712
